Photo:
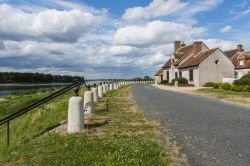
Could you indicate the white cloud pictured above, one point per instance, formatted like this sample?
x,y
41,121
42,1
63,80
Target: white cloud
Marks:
x,y
155,32
225,29
52,24
155,9
201,6
222,44
245,12
69,37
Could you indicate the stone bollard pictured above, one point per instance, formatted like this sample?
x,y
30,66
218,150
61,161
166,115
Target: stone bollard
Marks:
x,y
95,94
107,87
88,102
103,89
111,87
115,86
100,92
75,114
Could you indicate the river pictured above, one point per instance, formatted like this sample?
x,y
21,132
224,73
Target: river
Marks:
x,y
6,89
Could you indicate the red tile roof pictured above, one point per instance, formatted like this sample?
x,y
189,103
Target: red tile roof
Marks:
x,y
246,62
197,59
183,51
167,64
159,72
230,53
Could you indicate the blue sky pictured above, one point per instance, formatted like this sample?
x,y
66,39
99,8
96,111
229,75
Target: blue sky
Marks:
x,y
113,38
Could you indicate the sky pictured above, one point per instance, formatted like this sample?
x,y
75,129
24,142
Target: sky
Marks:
x,y
113,38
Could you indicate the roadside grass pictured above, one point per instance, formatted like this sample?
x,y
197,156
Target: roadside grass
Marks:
x,y
37,120
126,138
14,102
227,95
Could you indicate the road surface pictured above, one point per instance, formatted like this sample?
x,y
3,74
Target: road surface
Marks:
x,y
210,132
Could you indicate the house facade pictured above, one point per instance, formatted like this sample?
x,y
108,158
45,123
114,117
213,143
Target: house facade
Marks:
x,y
198,64
159,76
240,59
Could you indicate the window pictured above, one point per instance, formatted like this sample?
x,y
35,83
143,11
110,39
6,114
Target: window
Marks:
x,y
176,75
191,76
167,75
241,62
180,74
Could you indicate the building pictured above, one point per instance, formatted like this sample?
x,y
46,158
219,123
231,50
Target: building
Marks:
x,y
159,76
198,64
240,59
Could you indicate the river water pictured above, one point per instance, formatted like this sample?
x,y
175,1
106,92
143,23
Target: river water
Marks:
x,y
6,89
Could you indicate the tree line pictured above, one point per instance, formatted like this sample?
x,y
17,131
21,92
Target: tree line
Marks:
x,y
16,77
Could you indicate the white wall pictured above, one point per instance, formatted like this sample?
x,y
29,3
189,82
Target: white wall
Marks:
x,y
209,71
185,74
242,72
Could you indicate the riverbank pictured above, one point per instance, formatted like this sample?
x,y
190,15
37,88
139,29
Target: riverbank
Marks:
x,y
126,138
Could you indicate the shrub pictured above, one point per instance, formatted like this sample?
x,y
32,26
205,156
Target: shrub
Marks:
x,y
216,86
237,88
247,88
180,81
165,82
225,86
244,80
209,84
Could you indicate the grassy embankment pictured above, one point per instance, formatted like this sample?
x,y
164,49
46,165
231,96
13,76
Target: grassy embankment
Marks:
x,y
242,98
126,139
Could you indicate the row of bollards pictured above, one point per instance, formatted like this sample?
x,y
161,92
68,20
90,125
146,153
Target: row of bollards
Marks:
x,y
80,110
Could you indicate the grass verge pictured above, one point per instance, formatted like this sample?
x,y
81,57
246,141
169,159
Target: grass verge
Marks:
x,y
242,98
126,139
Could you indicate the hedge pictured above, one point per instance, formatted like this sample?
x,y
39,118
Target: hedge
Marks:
x,y
180,81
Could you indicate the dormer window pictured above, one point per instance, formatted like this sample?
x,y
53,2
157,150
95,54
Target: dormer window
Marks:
x,y
241,62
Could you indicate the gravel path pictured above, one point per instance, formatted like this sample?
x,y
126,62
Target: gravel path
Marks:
x,y
209,131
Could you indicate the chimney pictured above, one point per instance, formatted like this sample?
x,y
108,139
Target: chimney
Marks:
x,y
197,47
183,44
177,45
240,47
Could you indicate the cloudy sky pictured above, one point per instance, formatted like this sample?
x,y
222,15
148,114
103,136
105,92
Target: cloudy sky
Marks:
x,y
112,38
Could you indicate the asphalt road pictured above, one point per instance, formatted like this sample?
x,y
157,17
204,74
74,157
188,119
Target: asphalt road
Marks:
x,y
210,132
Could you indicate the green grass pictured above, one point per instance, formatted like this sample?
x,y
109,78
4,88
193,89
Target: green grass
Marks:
x,y
14,102
225,93
36,120
242,98
126,139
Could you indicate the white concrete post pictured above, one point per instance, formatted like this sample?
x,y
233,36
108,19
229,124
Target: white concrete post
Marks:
x,y
104,89
95,94
107,87
111,87
75,114
100,92
88,102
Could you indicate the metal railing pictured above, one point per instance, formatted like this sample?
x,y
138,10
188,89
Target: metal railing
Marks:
x,y
36,104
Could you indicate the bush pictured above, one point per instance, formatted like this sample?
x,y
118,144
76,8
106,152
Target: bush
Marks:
x,y
247,88
209,84
237,88
180,81
245,80
216,86
166,82
225,86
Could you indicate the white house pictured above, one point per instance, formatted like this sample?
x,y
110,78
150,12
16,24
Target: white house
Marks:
x,y
240,59
198,64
